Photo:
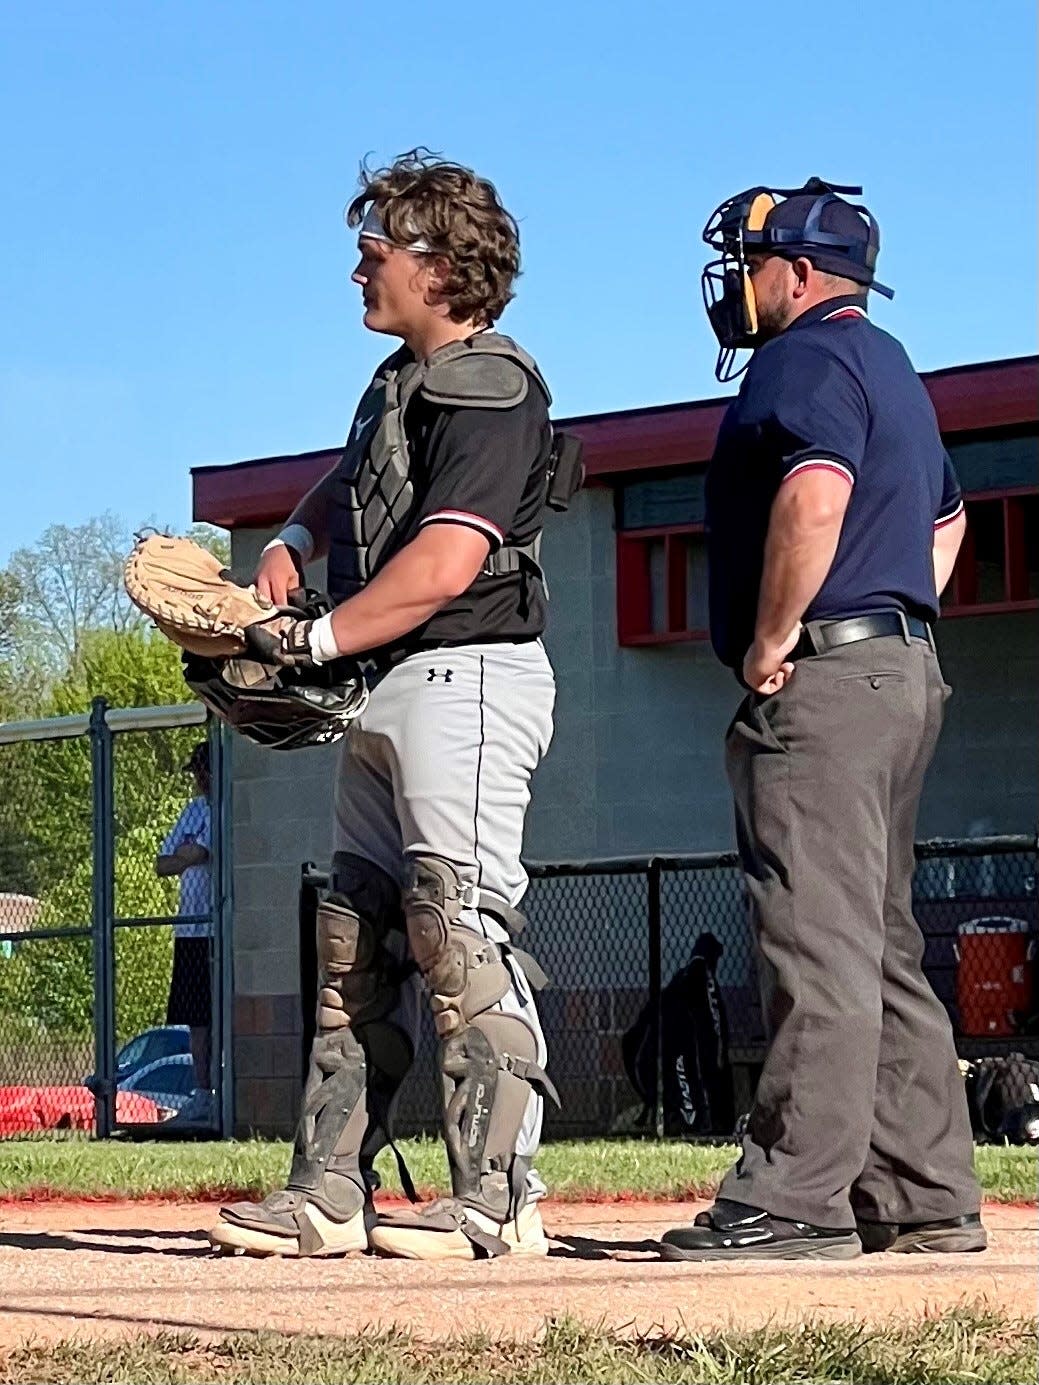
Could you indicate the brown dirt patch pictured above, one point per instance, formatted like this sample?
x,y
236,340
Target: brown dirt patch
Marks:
x,y
107,1269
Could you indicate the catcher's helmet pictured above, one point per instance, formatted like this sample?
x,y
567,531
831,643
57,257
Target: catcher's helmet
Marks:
x,y
280,708
814,221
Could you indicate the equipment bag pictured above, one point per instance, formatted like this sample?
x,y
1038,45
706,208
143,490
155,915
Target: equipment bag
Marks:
x,y
1003,1098
698,1088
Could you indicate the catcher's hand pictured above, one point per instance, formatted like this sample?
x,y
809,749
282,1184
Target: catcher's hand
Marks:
x,y
194,601
283,640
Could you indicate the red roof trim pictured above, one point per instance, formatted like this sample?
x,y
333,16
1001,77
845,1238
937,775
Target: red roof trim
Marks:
x,y
971,398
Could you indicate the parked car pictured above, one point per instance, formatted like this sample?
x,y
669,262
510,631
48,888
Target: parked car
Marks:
x,y
149,1046
24,1109
168,1083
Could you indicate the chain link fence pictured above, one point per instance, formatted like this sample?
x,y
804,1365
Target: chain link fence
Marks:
x,y
111,865
620,940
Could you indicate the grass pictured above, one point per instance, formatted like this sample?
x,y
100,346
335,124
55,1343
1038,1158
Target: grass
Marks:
x,y
968,1345
80,1167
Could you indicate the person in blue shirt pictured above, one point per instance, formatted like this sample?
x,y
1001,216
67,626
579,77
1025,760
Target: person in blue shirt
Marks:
x,y
186,852
834,520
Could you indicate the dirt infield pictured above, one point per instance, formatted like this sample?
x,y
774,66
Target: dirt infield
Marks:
x,y
110,1268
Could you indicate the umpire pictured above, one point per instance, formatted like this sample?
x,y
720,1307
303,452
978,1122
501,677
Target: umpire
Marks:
x,y
834,519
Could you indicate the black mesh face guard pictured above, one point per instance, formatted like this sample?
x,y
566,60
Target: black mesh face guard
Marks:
x,y
725,288
280,709
725,283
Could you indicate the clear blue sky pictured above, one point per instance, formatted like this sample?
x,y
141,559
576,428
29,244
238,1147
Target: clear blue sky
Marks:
x,y
175,267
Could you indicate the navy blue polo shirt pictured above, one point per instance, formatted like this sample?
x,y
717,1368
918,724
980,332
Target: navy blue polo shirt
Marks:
x,y
835,392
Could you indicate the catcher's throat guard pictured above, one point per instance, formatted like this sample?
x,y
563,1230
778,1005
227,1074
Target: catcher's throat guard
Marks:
x,y
279,708
738,228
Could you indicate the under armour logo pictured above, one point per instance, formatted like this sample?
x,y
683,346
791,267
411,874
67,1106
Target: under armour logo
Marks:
x,y
433,674
360,425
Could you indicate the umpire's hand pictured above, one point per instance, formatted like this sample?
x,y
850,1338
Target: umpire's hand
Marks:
x,y
766,668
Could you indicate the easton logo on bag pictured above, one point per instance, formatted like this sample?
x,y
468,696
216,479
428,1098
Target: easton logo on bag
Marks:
x,y
698,1090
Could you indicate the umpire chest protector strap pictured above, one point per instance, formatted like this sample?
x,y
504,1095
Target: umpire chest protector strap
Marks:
x,y
374,488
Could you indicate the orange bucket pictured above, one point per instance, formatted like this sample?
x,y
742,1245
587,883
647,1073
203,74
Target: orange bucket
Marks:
x,y
993,975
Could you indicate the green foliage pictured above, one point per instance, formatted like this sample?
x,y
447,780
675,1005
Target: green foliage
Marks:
x,y
69,634
56,595
218,541
46,841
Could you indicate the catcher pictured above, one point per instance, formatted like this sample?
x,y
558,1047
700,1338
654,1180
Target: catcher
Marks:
x,y
430,524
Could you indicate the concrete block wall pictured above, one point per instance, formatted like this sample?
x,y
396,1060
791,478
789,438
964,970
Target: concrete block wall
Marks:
x,y
281,816
983,777
635,764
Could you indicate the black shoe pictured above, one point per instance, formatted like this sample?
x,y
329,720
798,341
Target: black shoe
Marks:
x,y
955,1234
734,1231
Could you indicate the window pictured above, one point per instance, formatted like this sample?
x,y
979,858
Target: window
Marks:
x,y
661,560
662,585
998,566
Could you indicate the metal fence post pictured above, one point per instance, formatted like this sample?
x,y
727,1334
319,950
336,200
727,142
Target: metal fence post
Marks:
x,y
221,883
103,916
308,903
655,990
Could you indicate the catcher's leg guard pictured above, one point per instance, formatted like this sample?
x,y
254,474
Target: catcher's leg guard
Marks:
x,y
358,1059
489,1064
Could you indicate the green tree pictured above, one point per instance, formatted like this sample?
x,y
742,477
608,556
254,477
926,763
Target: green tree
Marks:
x,y
68,634
47,809
57,594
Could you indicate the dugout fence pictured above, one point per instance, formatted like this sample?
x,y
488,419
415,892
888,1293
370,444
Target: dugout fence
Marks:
x,y
612,934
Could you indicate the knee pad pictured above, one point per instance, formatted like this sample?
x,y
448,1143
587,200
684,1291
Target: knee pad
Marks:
x,y
465,974
357,980
354,981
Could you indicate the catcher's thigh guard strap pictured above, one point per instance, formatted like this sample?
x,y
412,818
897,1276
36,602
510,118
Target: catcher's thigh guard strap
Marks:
x,y
359,1056
488,1059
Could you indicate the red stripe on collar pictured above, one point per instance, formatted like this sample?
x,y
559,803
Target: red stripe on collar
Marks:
x,y
851,311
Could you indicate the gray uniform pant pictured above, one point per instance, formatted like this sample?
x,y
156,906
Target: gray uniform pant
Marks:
x,y
440,764
860,1110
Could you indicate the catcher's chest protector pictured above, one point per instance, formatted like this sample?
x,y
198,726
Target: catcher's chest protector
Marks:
x,y
374,488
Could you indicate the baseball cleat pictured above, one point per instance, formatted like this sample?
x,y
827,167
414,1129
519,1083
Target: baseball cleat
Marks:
x,y
287,1224
449,1230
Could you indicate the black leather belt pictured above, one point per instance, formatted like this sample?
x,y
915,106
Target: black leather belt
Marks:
x,y
832,634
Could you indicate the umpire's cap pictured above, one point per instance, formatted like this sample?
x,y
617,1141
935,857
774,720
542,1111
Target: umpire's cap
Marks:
x,y
854,259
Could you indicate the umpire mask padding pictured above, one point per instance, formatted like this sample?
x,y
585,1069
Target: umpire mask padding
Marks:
x,y
727,287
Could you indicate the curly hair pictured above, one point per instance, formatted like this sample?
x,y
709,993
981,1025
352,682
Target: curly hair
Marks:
x,y
461,217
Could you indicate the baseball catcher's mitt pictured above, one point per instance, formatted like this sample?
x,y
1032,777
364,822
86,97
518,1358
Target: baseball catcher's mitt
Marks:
x,y
192,599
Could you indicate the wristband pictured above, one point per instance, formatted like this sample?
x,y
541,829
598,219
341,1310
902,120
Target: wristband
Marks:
x,y
323,648
297,537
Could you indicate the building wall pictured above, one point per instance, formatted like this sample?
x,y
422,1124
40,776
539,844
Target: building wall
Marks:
x,y
635,767
280,811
